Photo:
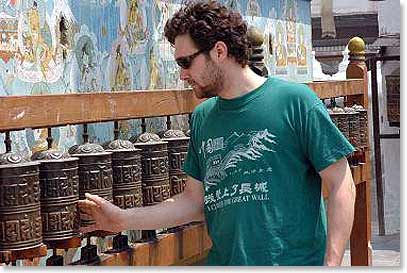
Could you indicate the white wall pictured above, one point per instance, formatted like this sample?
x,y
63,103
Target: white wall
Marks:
x,y
390,159
346,7
389,16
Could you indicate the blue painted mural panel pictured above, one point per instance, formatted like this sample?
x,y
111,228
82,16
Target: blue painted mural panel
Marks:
x,y
69,46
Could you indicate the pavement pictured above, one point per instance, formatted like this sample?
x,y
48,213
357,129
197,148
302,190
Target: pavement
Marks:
x,y
386,251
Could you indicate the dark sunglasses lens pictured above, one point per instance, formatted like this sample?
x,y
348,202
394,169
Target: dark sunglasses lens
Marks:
x,y
185,63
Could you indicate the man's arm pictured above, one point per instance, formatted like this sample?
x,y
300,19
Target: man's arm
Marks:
x,y
183,208
341,200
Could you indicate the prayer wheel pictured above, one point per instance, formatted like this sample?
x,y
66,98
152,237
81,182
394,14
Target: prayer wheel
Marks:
x,y
20,217
340,119
154,164
354,126
126,165
95,173
363,125
59,184
155,174
177,151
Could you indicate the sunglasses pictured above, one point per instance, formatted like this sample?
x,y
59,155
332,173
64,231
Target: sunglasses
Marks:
x,y
186,61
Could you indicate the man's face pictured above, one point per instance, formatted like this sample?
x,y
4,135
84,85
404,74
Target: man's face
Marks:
x,y
199,70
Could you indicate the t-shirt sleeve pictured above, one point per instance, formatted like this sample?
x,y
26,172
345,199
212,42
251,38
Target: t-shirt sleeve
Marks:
x,y
191,164
323,141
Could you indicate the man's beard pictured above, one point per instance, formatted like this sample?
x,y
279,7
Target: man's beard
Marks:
x,y
214,79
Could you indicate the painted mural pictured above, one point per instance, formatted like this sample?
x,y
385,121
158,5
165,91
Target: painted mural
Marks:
x,y
75,46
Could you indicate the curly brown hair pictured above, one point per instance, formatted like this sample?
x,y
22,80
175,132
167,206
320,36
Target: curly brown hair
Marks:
x,y
208,22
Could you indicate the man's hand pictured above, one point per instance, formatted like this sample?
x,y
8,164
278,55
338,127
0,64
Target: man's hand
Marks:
x,y
183,208
108,217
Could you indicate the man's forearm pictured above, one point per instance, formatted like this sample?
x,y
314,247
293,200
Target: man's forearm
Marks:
x,y
172,212
340,221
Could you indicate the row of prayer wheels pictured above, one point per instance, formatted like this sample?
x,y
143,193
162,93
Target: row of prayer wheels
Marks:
x,y
38,198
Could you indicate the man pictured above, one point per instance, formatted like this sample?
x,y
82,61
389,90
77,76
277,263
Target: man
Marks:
x,y
258,152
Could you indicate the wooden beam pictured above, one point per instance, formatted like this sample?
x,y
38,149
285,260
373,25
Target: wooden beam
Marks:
x,y
184,247
31,253
19,112
330,89
39,111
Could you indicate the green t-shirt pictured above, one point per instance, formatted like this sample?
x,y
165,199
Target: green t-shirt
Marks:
x,y
258,156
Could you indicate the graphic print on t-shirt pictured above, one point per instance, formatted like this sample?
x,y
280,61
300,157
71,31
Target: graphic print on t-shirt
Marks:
x,y
242,148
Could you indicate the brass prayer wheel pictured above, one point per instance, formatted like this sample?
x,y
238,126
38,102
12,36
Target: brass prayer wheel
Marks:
x,y
363,125
340,119
177,152
59,184
20,218
95,173
354,128
126,164
154,165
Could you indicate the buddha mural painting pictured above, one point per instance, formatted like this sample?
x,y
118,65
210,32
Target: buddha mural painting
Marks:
x,y
301,48
155,78
136,24
281,50
290,22
121,76
253,8
233,4
37,60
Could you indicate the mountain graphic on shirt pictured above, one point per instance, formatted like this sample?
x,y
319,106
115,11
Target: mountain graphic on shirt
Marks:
x,y
246,147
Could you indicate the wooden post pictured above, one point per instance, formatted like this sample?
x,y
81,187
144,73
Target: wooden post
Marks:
x,y
360,246
49,138
7,141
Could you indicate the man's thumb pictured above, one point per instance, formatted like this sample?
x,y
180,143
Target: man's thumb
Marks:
x,y
97,199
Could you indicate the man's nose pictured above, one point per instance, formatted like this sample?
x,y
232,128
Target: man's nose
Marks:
x,y
183,75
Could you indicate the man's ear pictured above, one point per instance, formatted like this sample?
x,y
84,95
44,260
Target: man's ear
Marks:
x,y
219,52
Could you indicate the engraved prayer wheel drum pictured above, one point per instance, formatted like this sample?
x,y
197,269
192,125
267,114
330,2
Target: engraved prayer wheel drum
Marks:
x,y
126,164
354,126
340,118
95,173
20,217
59,184
177,152
154,165
363,125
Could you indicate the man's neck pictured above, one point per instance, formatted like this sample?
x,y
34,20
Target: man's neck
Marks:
x,y
240,81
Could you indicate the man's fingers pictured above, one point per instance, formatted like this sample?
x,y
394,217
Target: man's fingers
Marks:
x,y
87,204
97,199
86,210
88,229
88,207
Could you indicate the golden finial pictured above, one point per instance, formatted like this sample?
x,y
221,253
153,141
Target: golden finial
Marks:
x,y
255,36
256,40
356,46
